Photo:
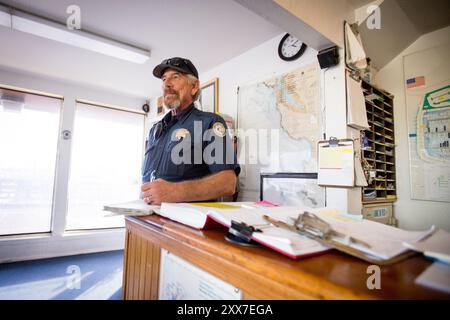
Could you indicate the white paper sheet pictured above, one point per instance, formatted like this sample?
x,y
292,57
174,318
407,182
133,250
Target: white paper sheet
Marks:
x,y
136,207
436,246
356,105
436,276
336,164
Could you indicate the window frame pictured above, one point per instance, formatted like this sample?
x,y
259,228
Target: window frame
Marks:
x,y
59,241
106,106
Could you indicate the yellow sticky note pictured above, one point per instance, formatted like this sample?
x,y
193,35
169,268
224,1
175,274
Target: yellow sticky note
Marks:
x,y
330,158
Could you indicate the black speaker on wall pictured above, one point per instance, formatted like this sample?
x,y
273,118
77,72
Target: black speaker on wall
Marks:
x,y
328,57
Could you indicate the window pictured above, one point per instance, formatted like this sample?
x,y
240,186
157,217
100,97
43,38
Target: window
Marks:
x,y
29,126
106,159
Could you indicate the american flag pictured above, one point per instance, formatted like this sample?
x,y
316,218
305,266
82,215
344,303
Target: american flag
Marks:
x,y
415,82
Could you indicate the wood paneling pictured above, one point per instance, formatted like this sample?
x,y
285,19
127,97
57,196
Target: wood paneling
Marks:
x,y
141,268
258,271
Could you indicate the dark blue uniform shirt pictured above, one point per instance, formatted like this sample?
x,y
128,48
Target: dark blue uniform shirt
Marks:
x,y
189,145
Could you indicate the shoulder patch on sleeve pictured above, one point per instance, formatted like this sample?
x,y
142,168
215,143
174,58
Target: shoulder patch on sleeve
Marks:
x,y
219,129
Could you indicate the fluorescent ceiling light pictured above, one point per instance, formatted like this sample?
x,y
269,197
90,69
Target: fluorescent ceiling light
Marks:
x,y
51,30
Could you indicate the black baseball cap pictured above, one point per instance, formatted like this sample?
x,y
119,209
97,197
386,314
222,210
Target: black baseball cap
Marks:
x,y
180,64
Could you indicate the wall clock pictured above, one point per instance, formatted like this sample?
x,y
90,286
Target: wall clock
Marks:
x,y
290,48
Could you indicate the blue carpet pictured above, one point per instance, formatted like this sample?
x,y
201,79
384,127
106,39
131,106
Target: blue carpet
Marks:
x,y
96,276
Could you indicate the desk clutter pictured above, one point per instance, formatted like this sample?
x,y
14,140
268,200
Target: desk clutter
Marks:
x,y
299,232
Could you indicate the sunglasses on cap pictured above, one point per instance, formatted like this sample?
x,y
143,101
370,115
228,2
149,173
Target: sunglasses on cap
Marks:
x,y
180,64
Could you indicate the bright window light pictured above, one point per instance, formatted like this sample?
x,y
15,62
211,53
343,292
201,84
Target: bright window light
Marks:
x,y
105,166
29,126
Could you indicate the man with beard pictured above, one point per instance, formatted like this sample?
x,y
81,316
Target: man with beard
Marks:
x,y
189,156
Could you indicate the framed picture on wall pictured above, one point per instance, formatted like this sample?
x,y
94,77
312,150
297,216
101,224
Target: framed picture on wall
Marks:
x,y
159,106
209,98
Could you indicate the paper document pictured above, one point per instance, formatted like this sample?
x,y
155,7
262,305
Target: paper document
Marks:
x,y
385,241
289,243
331,158
356,105
368,240
436,276
360,178
356,55
198,215
336,164
136,207
436,246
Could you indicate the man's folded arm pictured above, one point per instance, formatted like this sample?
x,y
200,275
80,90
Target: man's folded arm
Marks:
x,y
211,187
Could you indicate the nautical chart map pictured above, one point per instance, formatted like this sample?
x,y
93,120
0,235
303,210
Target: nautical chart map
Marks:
x,y
288,107
428,108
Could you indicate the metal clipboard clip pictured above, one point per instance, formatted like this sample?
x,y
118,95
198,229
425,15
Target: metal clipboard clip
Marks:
x,y
311,226
335,142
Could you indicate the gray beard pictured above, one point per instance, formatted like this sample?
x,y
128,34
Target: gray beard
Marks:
x,y
173,105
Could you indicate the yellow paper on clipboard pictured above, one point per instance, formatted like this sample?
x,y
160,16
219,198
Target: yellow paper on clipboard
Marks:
x,y
336,163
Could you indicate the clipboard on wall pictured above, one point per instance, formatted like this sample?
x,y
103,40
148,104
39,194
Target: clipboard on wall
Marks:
x,y
336,163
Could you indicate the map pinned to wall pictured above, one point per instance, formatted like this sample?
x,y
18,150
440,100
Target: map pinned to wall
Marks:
x,y
433,123
290,104
428,108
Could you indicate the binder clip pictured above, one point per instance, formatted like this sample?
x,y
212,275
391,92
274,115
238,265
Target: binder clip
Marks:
x,y
241,233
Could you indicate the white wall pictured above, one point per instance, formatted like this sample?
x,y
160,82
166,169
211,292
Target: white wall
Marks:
x,y
263,62
60,243
412,214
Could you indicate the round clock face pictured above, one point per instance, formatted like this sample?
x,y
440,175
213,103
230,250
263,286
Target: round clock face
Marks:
x,y
290,48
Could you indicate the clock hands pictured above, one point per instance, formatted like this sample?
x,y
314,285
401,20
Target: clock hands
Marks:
x,y
290,48
294,44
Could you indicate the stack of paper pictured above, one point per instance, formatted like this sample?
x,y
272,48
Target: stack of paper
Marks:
x,y
136,208
191,214
385,242
382,242
202,215
284,241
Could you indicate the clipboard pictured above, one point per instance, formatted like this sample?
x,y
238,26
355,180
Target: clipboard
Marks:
x,y
311,226
336,162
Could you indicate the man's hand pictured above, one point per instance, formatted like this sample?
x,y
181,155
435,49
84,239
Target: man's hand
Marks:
x,y
159,191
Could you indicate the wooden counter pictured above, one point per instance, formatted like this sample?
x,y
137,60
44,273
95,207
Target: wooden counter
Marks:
x,y
258,271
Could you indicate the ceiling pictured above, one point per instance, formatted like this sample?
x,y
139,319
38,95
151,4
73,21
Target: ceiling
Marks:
x,y
209,32
427,16
402,23
359,3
